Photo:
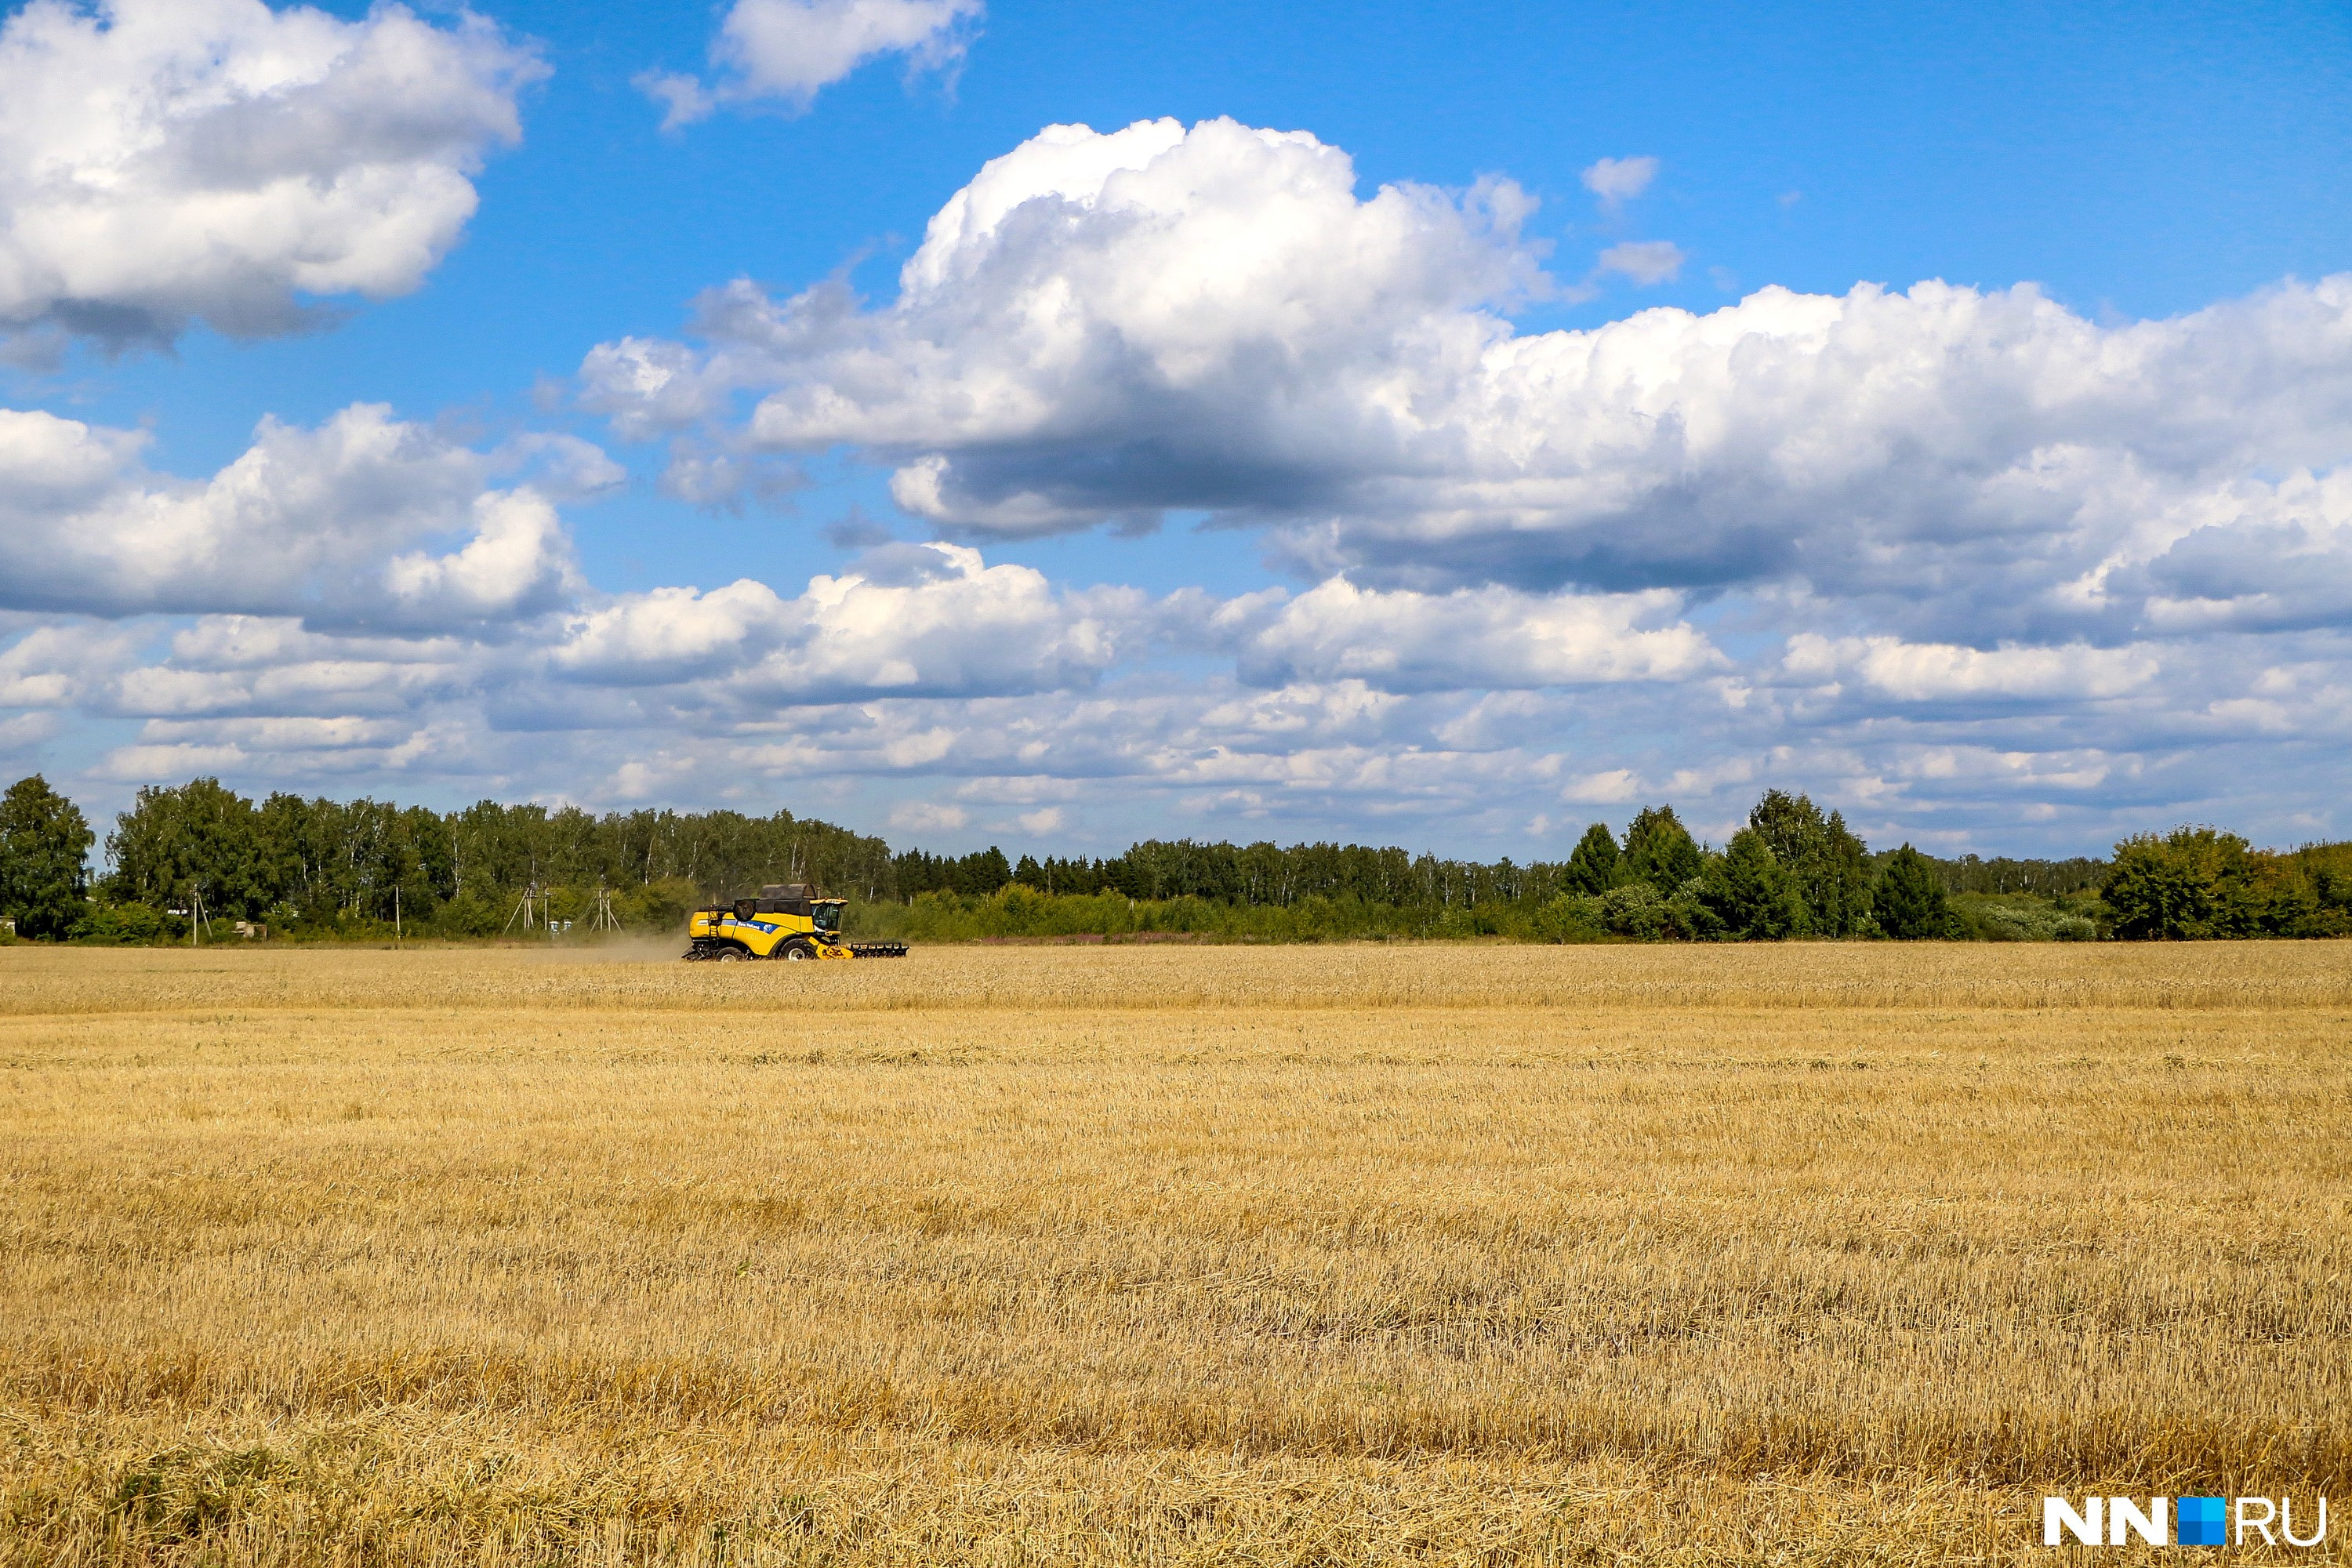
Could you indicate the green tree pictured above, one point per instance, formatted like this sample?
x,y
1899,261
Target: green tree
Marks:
x,y
983,873
199,838
1659,850
1592,866
1750,891
1827,864
1909,899
287,857
2186,885
44,850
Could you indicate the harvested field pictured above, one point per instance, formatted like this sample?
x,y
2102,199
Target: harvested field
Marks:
x,y
1170,1255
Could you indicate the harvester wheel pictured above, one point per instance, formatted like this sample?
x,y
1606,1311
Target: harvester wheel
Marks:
x,y
730,955
795,952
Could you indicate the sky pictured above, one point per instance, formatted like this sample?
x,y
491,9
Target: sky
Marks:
x,y
1053,426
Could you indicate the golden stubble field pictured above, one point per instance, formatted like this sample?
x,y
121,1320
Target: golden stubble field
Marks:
x,y
1771,1255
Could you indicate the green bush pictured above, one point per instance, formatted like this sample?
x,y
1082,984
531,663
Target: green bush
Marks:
x,y
1578,917
660,907
125,925
1635,910
2019,917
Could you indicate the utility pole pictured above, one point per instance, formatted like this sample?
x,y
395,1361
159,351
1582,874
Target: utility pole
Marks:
x,y
395,911
532,908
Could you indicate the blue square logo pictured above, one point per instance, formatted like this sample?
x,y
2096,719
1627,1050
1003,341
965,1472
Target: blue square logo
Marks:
x,y
2197,1521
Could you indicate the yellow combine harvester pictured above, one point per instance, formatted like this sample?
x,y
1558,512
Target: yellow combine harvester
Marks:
x,y
787,922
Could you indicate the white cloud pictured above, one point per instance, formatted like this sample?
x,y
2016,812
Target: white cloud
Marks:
x,y
164,160
145,763
518,561
2249,556
1154,749
720,481
236,666
1932,672
1615,786
1970,564
340,733
2007,531
1050,819
1106,327
931,620
1645,261
673,634
789,50
1179,304
922,816
1616,180
559,466
53,666
954,627
305,522
1304,713
1475,639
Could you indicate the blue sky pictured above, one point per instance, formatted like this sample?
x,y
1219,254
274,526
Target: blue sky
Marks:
x,y
2055,631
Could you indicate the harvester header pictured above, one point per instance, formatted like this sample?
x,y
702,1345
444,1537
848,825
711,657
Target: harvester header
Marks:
x,y
787,921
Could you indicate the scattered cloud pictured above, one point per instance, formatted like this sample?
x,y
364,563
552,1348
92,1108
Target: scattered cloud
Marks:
x,y
923,817
727,479
1959,560
164,162
1933,672
1616,786
857,531
928,620
1618,180
54,666
1475,639
786,51
1645,261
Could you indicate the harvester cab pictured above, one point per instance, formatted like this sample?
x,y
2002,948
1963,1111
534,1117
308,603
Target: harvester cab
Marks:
x,y
787,921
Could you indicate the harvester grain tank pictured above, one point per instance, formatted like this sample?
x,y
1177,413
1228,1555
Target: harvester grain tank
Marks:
x,y
787,921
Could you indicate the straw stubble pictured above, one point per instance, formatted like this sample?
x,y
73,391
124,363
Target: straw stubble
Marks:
x,y
1336,1255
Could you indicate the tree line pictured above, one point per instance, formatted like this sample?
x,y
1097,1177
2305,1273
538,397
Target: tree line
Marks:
x,y
326,868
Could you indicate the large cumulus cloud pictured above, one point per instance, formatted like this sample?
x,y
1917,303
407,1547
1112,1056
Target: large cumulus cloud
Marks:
x,y
1106,327
364,520
167,161
1100,325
